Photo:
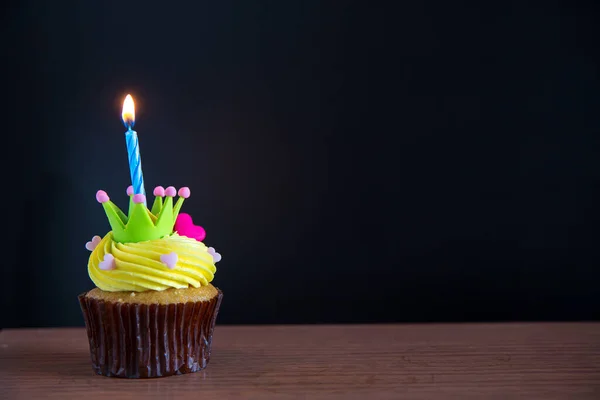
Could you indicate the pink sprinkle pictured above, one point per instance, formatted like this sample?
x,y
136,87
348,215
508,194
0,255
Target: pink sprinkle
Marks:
x,y
184,192
92,244
169,259
108,263
139,198
216,256
102,197
159,191
129,190
170,191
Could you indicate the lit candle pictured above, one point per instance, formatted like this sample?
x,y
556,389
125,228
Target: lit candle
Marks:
x,y
133,147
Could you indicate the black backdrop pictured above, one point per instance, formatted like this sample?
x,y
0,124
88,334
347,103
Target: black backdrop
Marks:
x,y
352,161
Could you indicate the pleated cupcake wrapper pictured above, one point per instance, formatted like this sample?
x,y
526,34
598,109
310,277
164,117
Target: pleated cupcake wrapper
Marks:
x,y
147,341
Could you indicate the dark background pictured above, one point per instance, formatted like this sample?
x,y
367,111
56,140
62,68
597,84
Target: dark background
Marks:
x,y
352,161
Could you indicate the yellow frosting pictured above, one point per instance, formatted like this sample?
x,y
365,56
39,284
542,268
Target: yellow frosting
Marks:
x,y
138,265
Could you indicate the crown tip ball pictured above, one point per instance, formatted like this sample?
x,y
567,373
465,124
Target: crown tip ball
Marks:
x,y
184,192
170,191
139,198
159,191
102,197
129,190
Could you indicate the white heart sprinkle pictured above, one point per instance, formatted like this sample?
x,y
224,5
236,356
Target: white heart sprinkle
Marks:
x,y
216,256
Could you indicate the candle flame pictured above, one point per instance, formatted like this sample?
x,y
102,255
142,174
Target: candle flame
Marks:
x,y
128,114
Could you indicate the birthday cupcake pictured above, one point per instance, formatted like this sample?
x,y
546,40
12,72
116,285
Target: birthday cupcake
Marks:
x,y
153,310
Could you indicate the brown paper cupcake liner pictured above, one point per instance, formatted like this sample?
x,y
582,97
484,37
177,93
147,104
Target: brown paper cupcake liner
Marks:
x,y
129,340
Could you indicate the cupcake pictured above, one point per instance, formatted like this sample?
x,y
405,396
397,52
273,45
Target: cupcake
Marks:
x,y
153,311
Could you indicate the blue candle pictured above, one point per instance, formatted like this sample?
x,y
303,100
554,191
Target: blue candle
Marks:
x,y
133,147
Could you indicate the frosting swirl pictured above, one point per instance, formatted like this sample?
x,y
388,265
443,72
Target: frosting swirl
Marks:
x,y
138,266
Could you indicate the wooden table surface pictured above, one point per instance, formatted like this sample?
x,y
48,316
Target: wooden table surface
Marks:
x,y
438,361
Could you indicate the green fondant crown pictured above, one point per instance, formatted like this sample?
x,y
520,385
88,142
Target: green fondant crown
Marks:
x,y
142,224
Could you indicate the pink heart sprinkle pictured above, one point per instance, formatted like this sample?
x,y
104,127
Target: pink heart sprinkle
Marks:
x,y
184,226
129,190
101,196
108,263
92,244
169,259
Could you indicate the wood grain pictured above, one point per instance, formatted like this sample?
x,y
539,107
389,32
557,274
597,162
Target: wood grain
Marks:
x,y
468,361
